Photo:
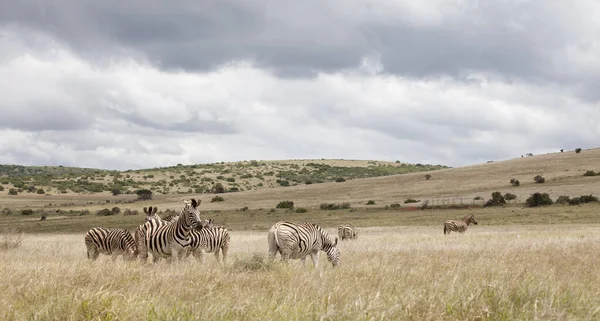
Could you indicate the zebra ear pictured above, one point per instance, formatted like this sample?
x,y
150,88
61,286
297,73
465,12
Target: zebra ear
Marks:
x,y
146,211
155,209
194,203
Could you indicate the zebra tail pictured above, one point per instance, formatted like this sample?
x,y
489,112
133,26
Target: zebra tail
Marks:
x,y
445,229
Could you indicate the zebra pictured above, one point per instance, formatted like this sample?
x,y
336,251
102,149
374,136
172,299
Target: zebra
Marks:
x,y
151,213
169,239
113,242
347,231
209,239
296,241
459,226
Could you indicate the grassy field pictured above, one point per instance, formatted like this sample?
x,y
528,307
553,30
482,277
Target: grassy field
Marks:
x,y
525,263
544,272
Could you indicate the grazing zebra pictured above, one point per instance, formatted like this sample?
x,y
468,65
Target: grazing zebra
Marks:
x,y
347,231
112,242
209,239
459,226
296,241
169,239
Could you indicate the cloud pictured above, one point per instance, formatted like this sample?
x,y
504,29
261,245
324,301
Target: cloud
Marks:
x,y
139,84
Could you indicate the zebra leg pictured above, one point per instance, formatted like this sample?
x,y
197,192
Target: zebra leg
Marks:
x,y
315,259
273,247
93,254
224,250
217,254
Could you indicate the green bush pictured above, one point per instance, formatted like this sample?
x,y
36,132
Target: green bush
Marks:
x,y
577,150
538,199
410,200
1,188
370,202
285,204
427,176
217,199
283,182
539,179
563,199
230,179
104,212
144,194
27,211
41,191
477,198
588,199
510,196
497,200
591,173
218,188
12,191
340,180
395,205
115,210
301,210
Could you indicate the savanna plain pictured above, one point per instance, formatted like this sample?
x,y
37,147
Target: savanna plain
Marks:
x,y
518,263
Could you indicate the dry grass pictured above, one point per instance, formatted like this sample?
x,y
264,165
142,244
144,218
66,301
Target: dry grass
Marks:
x,y
490,273
10,238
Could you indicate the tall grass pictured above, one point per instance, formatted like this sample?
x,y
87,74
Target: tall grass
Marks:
x,y
490,273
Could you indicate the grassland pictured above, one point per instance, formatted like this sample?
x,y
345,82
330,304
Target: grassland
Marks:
x,y
525,263
393,273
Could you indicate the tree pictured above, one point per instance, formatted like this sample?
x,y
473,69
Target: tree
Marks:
x,y
144,194
218,189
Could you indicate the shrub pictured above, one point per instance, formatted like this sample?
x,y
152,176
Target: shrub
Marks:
x,y
12,191
340,180
577,150
574,201
410,200
301,210
591,173
283,182
243,209
477,198
10,238
516,182
370,202
217,199
115,210
395,205
230,179
427,176
27,211
538,199
104,212
563,199
285,204
1,188
218,188
345,205
588,199
144,194
497,200
115,191
510,196
539,179
41,191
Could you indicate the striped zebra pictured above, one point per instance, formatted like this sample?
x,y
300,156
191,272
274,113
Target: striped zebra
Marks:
x,y
459,226
296,241
209,239
151,213
347,231
169,239
113,242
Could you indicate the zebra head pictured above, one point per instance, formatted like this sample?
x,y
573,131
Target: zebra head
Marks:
x,y
151,213
470,219
333,254
191,213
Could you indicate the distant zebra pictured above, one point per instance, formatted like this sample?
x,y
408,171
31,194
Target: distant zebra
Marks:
x,y
112,242
347,231
151,213
169,239
209,239
296,241
459,226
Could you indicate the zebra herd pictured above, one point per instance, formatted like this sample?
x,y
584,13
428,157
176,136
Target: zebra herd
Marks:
x,y
178,236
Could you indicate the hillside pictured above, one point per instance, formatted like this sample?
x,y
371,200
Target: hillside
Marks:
x,y
200,178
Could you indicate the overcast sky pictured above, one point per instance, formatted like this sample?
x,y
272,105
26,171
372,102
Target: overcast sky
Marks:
x,y
137,84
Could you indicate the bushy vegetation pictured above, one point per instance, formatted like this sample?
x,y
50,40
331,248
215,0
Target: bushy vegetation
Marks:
x,y
477,198
510,196
591,173
514,182
427,176
105,212
27,211
496,200
563,199
218,188
539,179
217,199
538,199
577,150
583,199
333,206
370,202
13,191
301,210
411,200
285,204
144,194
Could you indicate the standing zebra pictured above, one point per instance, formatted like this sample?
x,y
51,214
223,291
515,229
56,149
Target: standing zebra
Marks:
x,y
169,239
209,239
296,241
113,242
151,213
347,231
459,226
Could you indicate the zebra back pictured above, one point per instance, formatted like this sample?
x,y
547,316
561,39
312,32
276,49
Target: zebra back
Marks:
x,y
110,241
347,231
304,238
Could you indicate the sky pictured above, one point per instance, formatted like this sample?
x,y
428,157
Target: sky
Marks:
x,y
139,84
